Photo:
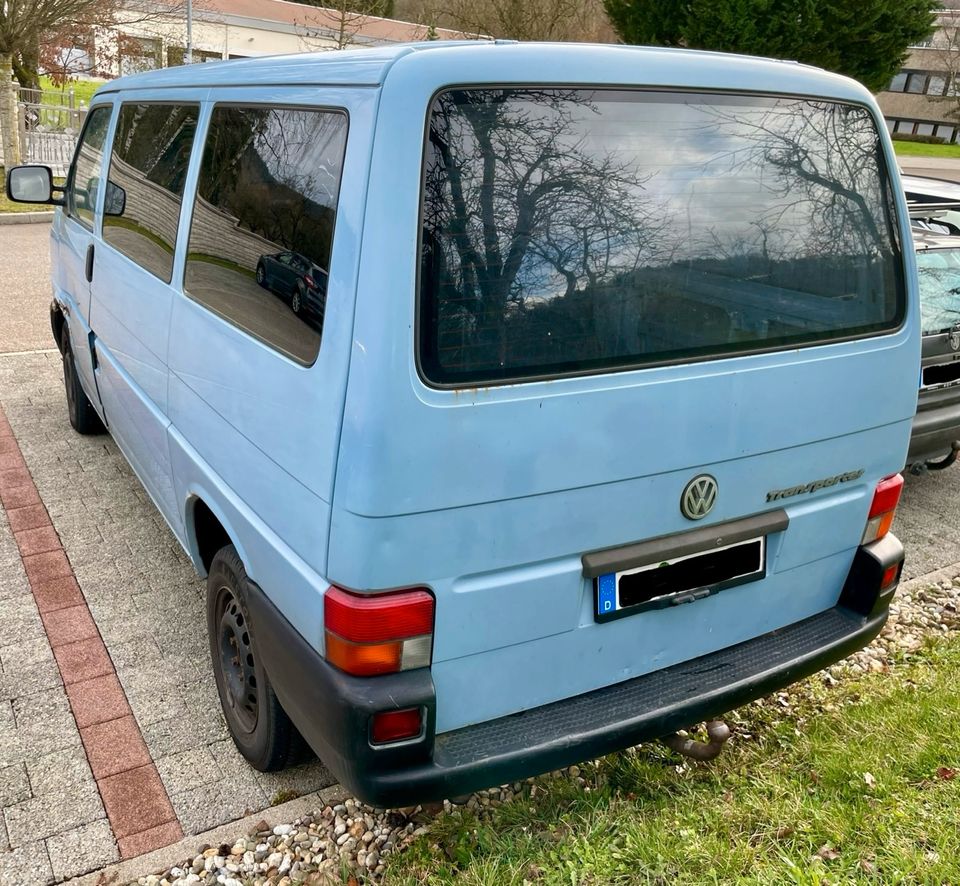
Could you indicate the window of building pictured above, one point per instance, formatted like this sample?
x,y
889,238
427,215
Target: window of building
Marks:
x,y
139,54
899,82
916,83
937,84
86,174
263,221
924,129
947,133
177,55
148,168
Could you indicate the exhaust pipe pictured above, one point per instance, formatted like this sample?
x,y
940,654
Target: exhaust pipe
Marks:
x,y
718,733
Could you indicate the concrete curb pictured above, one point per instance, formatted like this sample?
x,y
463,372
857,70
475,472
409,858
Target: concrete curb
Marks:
x,y
25,218
165,858
946,573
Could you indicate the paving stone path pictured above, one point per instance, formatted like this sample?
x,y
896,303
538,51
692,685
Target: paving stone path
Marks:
x,y
81,786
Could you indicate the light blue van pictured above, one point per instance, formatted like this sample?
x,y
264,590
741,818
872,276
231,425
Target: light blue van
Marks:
x,y
520,402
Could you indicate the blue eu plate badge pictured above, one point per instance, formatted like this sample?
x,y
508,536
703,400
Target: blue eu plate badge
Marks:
x,y
606,593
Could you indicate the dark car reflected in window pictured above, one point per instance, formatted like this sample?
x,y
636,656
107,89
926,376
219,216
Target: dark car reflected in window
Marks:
x,y
148,169
262,229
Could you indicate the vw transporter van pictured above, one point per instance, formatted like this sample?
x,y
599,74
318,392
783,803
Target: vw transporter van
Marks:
x,y
519,402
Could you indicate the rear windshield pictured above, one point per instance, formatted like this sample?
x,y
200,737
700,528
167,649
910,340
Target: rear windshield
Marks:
x,y
939,272
570,231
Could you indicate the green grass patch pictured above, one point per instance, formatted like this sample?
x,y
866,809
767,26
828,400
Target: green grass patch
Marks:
x,y
83,91
851,784
117,221
221,262
919,149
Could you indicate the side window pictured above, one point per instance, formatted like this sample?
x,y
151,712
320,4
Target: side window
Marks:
x,y
262,229
148,168
86,173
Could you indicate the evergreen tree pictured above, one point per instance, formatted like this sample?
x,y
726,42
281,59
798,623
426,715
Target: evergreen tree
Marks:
x,y
866,39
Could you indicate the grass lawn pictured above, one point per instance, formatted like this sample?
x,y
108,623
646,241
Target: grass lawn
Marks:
x,y
850,784
919,149
83,91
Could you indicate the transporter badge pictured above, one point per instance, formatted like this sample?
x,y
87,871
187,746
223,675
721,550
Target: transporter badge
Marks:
x,y
955,338
699,497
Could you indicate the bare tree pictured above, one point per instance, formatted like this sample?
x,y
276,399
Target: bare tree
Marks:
x,y
56,37
337,24
526,20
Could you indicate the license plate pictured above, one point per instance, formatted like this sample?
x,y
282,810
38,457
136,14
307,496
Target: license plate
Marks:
x,y
680,580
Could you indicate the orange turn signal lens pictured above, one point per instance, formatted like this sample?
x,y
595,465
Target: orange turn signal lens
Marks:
x,y
363,659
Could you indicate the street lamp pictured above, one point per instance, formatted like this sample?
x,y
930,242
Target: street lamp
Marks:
x,y
188,57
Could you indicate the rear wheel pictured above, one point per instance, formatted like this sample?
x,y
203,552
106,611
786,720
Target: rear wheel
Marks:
x,y
296,300
83,417
259,726
261,274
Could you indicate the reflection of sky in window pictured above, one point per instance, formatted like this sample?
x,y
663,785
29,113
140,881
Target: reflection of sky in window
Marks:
x,y
303,149
703,174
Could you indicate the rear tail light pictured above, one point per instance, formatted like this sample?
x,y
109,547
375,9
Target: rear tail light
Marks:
x,y
370,634
883,508
310,282
890,576
390,726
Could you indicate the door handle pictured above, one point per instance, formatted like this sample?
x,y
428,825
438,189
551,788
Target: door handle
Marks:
x,y
90,263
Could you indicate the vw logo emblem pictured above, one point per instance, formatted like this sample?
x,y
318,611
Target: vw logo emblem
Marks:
x,y
699,497
955,338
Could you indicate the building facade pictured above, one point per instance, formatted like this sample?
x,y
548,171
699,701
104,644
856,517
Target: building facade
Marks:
x,y
924,98
231,29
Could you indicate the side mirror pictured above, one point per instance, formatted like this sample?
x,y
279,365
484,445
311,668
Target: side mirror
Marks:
x,y
114,200
31,184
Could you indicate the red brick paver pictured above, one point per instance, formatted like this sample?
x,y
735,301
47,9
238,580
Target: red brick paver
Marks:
x,y
98,700
140,812
115,746
69,625
136,801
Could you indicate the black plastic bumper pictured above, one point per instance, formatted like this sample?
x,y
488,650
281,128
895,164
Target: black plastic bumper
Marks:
x,y
333,710
936,425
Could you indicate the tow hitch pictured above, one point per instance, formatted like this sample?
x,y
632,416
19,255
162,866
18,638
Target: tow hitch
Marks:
x,y
948,460
718,733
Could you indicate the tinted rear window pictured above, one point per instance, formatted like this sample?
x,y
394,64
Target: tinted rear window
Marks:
x,y
569,231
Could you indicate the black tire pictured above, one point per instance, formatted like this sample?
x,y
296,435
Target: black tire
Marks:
x,y
261,275
297,299
83,417
259,726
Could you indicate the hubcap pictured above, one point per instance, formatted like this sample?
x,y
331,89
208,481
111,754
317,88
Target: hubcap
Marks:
x,y
296,303
237,663
260,275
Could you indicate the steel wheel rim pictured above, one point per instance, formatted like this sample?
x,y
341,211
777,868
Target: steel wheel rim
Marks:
x,y
237,664
296,302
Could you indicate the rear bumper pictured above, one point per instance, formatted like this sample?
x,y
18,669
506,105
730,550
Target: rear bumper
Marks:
x,y
936,425
333,710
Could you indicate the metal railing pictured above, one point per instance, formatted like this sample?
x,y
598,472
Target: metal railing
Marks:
x,y
49,124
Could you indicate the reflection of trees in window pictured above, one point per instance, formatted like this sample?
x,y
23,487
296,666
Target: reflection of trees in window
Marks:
x,y
155,140
824,219
518,214
277,172
571,229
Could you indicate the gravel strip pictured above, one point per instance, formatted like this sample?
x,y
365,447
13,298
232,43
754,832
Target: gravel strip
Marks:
x,y
353,840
